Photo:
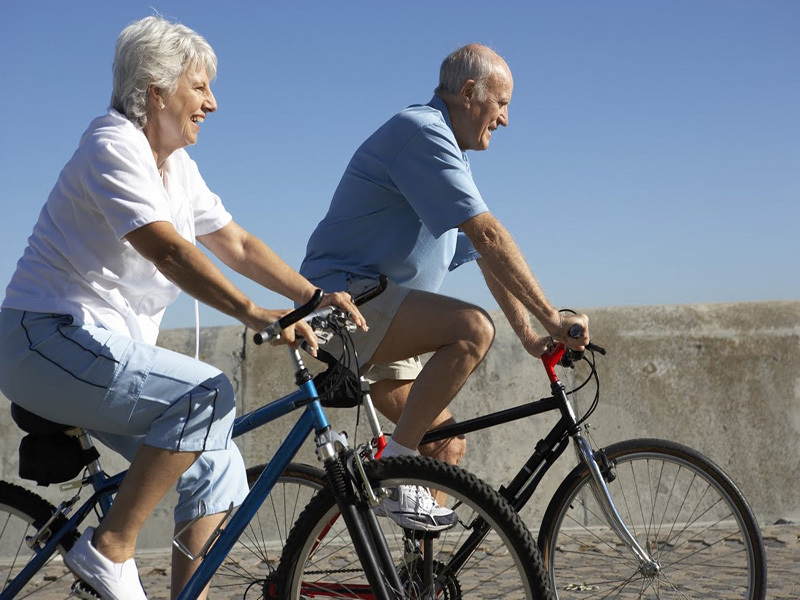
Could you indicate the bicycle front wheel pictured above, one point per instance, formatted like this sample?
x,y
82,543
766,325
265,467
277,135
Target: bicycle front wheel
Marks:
x,y
678,505
248,572
22,514
500,561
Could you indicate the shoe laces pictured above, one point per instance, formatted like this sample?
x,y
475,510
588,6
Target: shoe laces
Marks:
x,y
424,499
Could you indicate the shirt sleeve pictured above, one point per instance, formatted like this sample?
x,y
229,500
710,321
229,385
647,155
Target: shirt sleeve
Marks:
x,y
209,213
433,176
465,251
122,189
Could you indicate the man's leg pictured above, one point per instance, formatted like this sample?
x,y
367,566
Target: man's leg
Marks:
x,y
390,396
459,334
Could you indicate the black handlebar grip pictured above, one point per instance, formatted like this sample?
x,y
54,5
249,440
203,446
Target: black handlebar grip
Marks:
x,y
301,311
291,318
575,331
371,293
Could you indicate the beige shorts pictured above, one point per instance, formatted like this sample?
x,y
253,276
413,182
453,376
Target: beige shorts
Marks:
x,y
379,313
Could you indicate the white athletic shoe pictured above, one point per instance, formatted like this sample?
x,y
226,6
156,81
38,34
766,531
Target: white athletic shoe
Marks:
x,y
413,507
113,581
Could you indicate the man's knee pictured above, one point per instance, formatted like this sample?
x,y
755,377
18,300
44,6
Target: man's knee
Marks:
x,y
479,329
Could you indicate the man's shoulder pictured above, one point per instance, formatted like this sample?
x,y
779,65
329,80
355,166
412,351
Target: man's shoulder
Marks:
x,y
417,116
411,119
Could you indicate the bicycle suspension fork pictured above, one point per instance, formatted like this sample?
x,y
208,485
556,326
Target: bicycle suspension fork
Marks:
x,y
370,545
647,563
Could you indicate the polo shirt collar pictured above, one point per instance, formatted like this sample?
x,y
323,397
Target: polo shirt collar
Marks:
x,y
440,105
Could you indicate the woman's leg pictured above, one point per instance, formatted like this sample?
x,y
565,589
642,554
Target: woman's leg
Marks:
x,y
160,409
151,474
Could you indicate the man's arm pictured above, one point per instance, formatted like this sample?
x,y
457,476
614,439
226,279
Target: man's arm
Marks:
x,y
516,313
512,277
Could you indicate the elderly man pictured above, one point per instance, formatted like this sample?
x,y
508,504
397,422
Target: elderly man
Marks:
x,y
407,207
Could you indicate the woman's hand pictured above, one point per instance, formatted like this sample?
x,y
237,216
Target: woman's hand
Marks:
x,y
345,302
288,336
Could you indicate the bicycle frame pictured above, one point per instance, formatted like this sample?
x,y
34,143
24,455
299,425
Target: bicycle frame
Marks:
x,y
520,490
312,419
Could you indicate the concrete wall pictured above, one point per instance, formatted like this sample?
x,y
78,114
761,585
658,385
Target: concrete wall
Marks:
x,y
722,378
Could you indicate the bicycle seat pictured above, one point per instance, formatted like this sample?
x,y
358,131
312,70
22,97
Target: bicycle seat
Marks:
x,y
31,423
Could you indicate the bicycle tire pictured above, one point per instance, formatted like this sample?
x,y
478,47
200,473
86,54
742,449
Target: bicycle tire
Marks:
x,y
249,569
319,560
679,505
22,514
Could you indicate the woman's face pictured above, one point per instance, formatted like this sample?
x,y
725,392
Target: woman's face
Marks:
x,y
178,123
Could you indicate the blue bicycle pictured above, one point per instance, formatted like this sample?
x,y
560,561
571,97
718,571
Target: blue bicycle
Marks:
x,y
351,553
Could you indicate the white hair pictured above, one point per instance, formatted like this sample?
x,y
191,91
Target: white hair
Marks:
x,y
154,51
468,62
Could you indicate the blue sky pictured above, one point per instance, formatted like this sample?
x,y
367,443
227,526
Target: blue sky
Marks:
x,y
652,154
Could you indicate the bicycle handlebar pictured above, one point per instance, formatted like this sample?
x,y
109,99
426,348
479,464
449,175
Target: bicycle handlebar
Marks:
x,y
309,311
273,330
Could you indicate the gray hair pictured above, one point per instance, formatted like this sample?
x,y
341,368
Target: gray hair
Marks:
x,y
154,51
474,62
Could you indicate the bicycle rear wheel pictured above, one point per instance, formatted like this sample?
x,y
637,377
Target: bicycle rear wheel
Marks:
x,y
320,560
22,514
679,505
248,571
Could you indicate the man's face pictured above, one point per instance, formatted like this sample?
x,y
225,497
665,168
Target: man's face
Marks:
x,y
482,117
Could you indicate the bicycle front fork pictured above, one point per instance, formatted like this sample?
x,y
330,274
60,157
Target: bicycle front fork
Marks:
x,y
647,563
370,544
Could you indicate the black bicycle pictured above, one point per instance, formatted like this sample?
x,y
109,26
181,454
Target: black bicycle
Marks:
x,y
642,518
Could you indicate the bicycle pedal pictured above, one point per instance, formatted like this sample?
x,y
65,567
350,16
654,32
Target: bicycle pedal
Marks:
x,y
83,590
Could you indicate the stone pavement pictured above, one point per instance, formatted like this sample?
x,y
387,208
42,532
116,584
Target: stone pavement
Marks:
x,y
782,543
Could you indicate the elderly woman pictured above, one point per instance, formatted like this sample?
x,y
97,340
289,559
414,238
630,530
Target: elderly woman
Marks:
x,y
113,247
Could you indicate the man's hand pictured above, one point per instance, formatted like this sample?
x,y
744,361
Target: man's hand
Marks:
x,y
536,345
567,322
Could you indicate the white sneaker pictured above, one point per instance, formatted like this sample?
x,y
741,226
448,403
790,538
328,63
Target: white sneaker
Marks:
x,y
413,507
113,581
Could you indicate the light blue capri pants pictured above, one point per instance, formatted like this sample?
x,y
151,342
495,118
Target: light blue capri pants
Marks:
x,y
127,393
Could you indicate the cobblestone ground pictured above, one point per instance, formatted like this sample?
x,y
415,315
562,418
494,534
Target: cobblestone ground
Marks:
x,y
782,545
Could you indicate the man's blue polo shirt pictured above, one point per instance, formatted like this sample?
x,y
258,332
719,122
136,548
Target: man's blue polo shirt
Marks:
x,y
398,206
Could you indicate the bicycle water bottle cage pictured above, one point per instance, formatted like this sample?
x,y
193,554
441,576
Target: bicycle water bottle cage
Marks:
x,y
48,454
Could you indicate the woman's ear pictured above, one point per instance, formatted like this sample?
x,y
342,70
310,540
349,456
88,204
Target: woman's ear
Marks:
x,y
156,96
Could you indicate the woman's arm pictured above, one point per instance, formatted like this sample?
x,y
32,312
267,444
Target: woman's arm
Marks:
x,y
191,270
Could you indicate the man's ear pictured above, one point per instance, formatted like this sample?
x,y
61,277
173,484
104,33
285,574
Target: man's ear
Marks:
x,y
467,93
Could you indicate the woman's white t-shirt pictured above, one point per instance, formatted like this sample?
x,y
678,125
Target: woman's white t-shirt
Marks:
x,y
77,261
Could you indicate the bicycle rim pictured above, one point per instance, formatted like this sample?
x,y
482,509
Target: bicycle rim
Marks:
x,y
679,506
321,562
248,571
22,513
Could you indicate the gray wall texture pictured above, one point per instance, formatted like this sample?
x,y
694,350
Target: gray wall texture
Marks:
x,y
721,378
